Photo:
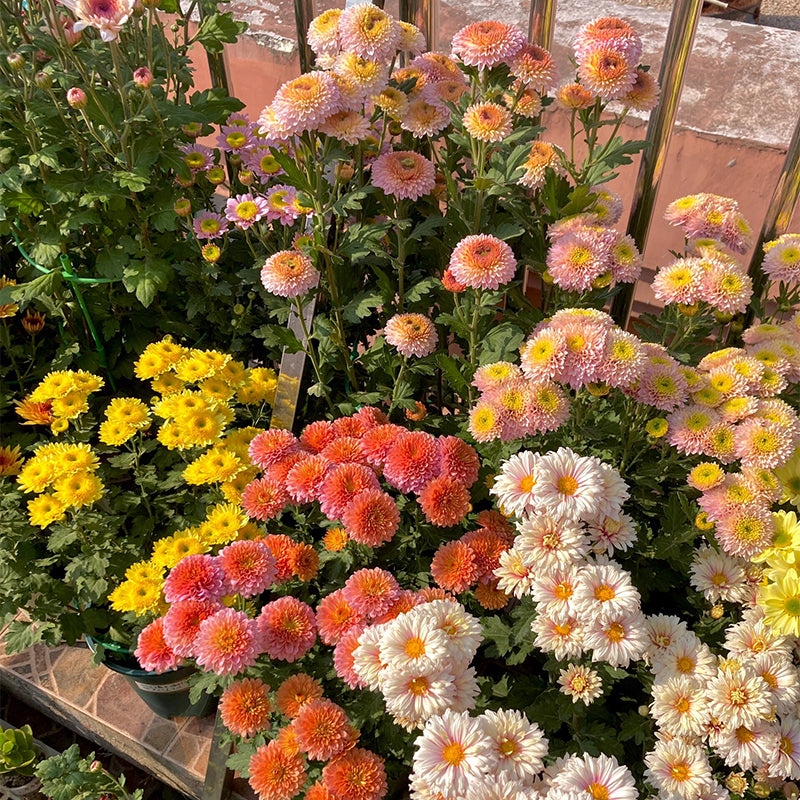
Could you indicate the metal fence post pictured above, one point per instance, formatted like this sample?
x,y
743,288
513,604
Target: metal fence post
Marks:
x,y
542,22
217,62
678,46
425,15
303,14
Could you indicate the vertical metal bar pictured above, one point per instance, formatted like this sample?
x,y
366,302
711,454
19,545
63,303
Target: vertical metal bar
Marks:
x,y
678,46
217,781
779,214
542,22
217,62
425,15
303,14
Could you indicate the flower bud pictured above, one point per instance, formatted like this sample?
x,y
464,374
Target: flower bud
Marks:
x,y
790,791
246,177
450,283
96,766
185,182
235,159
143,78
43,80
599,389
16,61
644,711
717,611
211,253
174,27
395,128
216,176
77,98
761,789
419,413
238,309
183,207
722,317
689,310
33,321
192,129
42,57
344,171
736,782
601,281
547,278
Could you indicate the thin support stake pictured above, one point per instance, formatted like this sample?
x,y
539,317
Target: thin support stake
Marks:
x,y
303,14
678,46
425,15
542,22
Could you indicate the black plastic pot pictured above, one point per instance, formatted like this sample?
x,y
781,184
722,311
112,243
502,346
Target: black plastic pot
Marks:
x,y
167,695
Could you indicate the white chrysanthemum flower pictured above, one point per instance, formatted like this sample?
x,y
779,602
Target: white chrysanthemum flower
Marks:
x,y
786,762
367,662
738,696
452,752
596,777
568,486
549,542
465,690
554,592
518,745
679,706
416,697
608,534
678,770
411,643
498,787
604,591
617,640
719,576
513,487
781,677
747,746
564,639
662,632
514,574
613,494
464,631
687,655
580,683
753,637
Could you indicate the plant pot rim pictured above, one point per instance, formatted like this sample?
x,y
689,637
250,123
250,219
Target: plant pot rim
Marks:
x,y
137,672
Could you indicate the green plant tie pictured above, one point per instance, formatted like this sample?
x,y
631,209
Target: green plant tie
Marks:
x,y
74,281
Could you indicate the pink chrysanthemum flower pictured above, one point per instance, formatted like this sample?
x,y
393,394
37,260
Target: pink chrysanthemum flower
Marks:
x,y
445,501
289,274
760,443
487,44
404,174
607,207
317,436
182,622
323,32
342,483
482,262
347,126
727,288
623,359
487,122
371,518
244,707
596,776
244,210
782,258
543,355
425,118
662,386
249,567
197,157
152,650
678,282
335,617
534,66
209,225
371,592
304,479
626,260
196,577
271,446
458,460
369,32
643,95
322,730
548,407
264,498
344,450
578,259
568,486
543,156
585,348
282,204
343,660
485,422
227,642
106,16
608,73
306,102
690,427
608,32
376,443
412,461
495,375
236,138
288,628
411,334
746,531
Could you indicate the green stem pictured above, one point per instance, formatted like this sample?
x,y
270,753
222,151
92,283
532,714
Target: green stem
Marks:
x,y
311,352
401,373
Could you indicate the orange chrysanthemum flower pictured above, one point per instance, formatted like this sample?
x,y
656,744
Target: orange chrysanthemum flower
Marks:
x,y
34,413
335,539
487,122
489,596
287,740
295,692
454,567
357,775
10,461
245,706
274,774
318,791
445,501
305,562
322,730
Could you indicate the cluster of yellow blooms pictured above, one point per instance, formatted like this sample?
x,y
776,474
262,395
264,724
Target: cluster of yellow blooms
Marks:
x,y
142,591
60,397
63,476
196,388
124,417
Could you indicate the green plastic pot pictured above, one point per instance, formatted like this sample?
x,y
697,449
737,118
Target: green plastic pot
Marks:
x,y
167,694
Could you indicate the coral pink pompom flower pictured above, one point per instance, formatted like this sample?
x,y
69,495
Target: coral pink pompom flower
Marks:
x,y
152,650
288,628
227,642
482,262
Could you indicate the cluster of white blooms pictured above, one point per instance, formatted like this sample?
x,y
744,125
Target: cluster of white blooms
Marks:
x,y
743,707
420,661
570,520
724,578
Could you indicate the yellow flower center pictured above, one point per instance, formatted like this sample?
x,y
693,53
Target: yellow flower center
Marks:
x,y
246,209
615,632
598,791
604,593
508,747
418,686
415,648
453,754
566,484
680,772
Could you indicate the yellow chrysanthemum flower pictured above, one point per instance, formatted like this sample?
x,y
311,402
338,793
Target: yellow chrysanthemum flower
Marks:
x,y
200,428
36,475
44,509
214,466
128,411
232,489
71,405
238,442
115,433
141,597
223,523
785,541
216,389
70,458
168,349
10,461
781,604
145,571
79,489
167,384
789,476
87,382
233,373
55,384
150,365
169,551
171,436
192,369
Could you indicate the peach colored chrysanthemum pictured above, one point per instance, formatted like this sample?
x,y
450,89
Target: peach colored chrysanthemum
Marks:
x,y
411,334
106,16
270,447
317,436
323,32
295,692
608,32
341,485
196,577
249,567
322,730
264,498
371,518
543,156
304,561
483,261
608,73
573,97
369,32
304,103
245,706
288,628
152,650
425,118
317,791
445,501
458,460
343,658
487,44
490,596
534,66
344,450
304,479
356,775
487,122
288,274
643,95
227,642
335,539
454,567
335,617
376,443
412,461
371,592
276,775
404,174
182,622
282,548
487,545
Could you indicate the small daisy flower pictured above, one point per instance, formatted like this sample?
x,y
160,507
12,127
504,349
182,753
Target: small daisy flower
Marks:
x,y
244,210
580,683
518,746
678,769
596,776
568,485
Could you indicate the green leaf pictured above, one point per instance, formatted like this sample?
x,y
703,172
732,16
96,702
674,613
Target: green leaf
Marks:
x,y
217,30
500,343
43,285
453,373
147,278
361,306
132,180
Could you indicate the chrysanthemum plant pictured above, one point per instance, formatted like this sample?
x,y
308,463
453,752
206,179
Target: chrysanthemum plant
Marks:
x,y
81,506
97,99
408,202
